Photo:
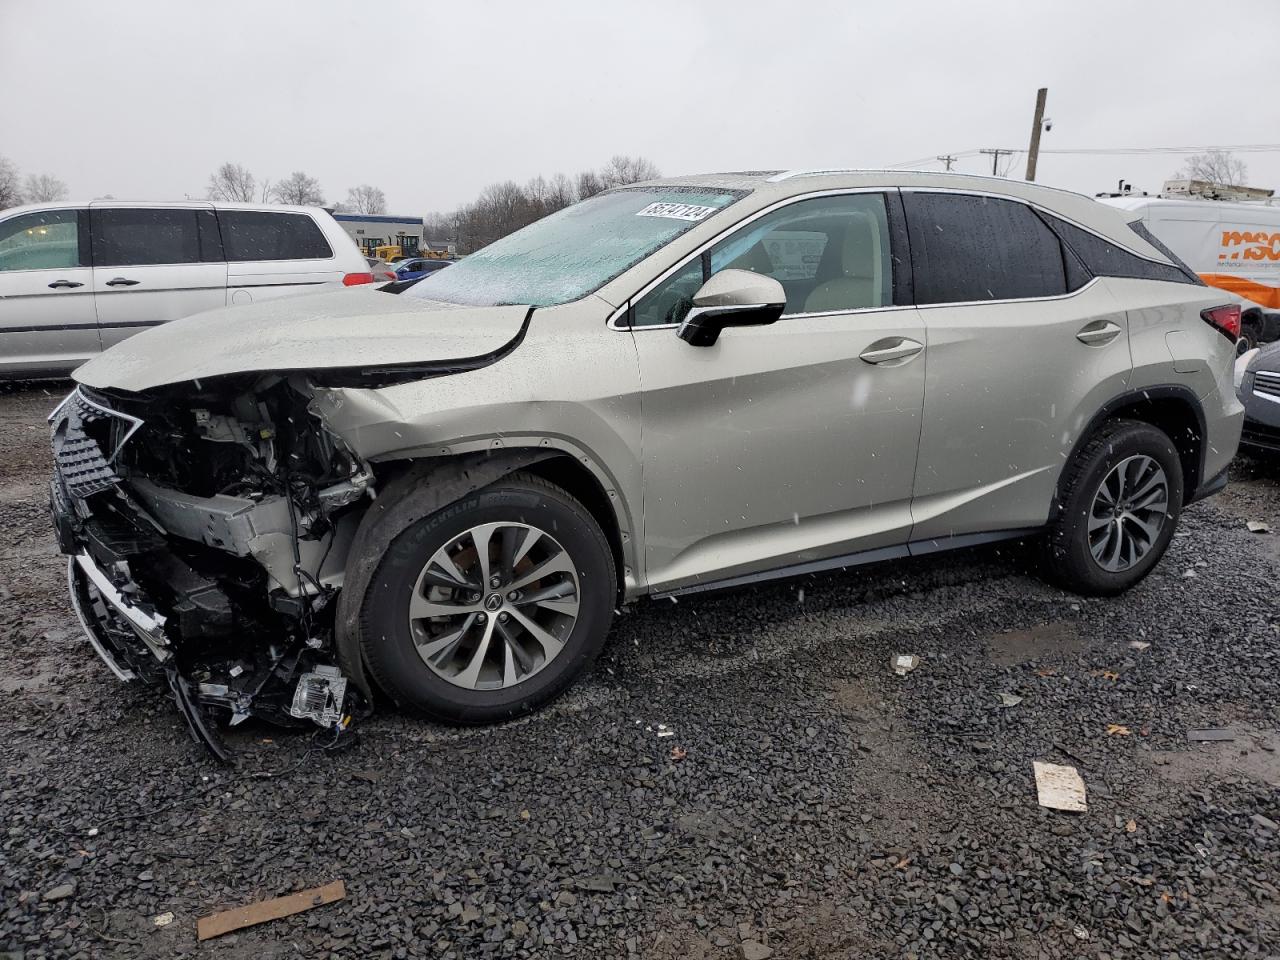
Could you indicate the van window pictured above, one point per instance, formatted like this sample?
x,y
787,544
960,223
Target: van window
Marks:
x,y
264,235
1105,259
134,237
968,248
44,240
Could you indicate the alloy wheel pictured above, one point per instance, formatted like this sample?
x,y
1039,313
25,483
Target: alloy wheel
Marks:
x,y
1129,510
494,605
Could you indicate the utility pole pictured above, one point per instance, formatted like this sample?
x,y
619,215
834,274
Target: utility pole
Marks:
x,y
948,160
996,154
1037,124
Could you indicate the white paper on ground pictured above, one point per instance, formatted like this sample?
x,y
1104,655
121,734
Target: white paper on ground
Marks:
x,y
1059,787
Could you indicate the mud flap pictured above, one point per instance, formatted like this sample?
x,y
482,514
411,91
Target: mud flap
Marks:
x,y
201,731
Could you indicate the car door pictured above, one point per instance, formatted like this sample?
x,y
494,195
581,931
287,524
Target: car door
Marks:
x,y
153,264
47,319
274,253
1024,347
792,443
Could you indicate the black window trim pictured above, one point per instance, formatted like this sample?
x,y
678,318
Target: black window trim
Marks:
x,y
621,318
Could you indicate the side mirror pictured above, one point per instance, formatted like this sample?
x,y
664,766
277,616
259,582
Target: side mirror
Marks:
x,y
731,298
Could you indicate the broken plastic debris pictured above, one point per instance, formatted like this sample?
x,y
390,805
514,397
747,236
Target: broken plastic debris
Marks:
x,y
215,925
1211,734
904,663
1188,573
163,920
1139,644
1009,699
1257,526
665,731
1059,787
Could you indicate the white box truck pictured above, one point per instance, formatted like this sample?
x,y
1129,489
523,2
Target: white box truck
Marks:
x,y
1233,244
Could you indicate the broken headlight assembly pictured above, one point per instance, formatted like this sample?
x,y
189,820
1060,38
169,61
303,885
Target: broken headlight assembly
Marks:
x,y
207,528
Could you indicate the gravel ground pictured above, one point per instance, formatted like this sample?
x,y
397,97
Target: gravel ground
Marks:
x,y
810,804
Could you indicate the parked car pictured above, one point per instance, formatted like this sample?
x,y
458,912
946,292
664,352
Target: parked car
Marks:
x,y
667,388
382,271
1259,391
419,267
76,278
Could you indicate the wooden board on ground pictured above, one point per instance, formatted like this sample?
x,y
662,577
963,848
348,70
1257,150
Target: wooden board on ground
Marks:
x,y
215,925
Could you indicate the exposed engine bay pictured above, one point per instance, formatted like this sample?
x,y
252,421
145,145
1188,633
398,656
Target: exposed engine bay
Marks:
x,y
208,529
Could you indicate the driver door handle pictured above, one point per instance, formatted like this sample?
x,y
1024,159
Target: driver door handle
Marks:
x,y
64,285
891,348
122,282
1098,333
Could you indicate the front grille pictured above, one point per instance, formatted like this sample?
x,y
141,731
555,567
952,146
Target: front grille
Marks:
x,y
86,437
1260,435
1267,384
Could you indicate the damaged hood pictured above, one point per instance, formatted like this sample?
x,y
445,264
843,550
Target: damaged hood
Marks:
x,y
343,329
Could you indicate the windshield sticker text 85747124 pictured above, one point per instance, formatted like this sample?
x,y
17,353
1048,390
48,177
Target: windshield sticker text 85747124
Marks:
x,y
677,211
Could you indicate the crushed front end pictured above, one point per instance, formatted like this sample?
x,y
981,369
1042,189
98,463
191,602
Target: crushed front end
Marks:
x,y
207,530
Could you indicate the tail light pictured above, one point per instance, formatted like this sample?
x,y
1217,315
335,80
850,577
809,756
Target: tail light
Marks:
x,y
1225,318
355,279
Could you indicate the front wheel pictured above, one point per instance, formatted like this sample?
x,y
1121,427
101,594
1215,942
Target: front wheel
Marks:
x,y
1119,504
490,607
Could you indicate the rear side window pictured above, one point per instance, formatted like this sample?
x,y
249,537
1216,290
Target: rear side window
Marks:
x,y
263,235
1105,259
968,248
135,237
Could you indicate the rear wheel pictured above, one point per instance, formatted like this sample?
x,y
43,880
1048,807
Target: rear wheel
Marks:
x,y
1120,501
490,607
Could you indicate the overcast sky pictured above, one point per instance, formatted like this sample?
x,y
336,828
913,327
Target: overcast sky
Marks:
x,y
431,101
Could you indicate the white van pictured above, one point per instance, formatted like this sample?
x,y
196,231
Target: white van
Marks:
x,y
1232,245
76,278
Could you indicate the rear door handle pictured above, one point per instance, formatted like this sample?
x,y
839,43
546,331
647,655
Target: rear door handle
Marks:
x,y
122,282
64,285
891,348
1098,333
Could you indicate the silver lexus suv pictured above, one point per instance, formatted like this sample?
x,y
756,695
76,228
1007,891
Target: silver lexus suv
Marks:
x,y
436,493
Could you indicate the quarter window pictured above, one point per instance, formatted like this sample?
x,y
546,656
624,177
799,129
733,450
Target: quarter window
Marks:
x,y
831,254
968,248
264,235
134,237
1105,259
46,240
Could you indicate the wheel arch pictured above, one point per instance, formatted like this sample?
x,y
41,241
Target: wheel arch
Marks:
x,y
1171,408
413,488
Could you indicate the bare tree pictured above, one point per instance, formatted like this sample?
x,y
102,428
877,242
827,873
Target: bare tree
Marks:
x,y
560,193
590,183
1216,166
42,188
10,187
231,181
366,199
623,169
299,189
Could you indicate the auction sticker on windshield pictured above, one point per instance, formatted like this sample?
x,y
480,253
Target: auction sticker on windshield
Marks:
x,y
677,211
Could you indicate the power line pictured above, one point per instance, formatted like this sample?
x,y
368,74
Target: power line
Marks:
x,y
1105,151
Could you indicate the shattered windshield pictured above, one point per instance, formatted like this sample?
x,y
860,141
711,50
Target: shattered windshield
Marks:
x,y
575,251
